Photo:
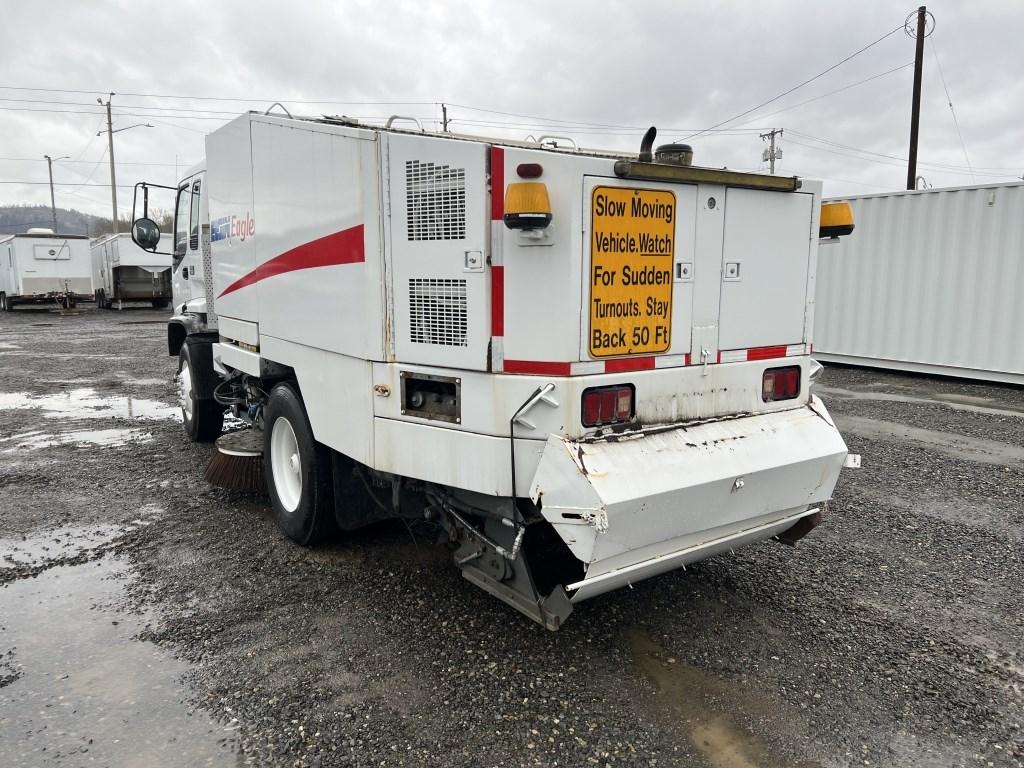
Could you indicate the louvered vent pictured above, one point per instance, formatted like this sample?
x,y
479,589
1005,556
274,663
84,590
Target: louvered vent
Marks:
x,y
437,312
435,201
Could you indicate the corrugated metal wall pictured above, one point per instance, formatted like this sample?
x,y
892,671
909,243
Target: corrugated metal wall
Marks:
x,y
928,280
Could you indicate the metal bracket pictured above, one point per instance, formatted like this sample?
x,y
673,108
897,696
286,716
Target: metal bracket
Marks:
x,y
542,396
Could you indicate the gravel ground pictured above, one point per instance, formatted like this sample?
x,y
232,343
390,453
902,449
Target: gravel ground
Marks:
x,y
890,636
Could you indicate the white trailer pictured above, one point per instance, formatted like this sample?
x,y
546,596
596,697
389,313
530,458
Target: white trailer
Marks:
x,y
122,271
39,267
930,282
588,369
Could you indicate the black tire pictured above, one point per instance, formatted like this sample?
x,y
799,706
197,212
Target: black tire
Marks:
x,y
159,303
3,303
206,419
305,516
101,300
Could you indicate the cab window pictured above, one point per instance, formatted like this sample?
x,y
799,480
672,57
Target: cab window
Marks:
x,y
193,238
181,221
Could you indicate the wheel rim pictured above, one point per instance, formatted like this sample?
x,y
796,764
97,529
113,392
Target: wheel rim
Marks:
x,y
285,464
185,391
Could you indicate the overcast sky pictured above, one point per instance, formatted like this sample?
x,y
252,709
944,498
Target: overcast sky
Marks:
x,y
603,70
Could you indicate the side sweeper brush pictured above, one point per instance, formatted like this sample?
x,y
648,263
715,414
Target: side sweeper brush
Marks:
x,y
238,463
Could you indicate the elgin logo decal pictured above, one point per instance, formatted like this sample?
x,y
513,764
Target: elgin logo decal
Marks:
x,y
632,249
237,227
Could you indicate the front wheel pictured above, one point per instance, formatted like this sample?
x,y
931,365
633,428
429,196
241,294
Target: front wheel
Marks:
x,y
297,468
203,419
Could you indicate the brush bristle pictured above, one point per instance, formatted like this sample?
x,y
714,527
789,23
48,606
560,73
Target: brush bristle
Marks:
x,y
236,473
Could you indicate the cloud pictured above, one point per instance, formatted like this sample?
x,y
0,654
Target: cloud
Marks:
x,y
616,66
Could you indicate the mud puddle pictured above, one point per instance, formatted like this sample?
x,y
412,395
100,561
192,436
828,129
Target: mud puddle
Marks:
x,y
87,403
33,441
59,544
77,689
703,709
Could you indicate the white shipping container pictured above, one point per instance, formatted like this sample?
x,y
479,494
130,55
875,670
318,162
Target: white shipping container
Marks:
x,y
39,267
929,281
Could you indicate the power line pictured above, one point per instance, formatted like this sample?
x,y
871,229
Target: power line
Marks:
x,y
68,162
103,92
798,86
831,93
70,184
949,101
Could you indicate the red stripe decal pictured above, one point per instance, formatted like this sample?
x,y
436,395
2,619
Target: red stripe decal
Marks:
x,y
345,247
537,366
687,359
766,353
629,364
497,183
497,301
718,358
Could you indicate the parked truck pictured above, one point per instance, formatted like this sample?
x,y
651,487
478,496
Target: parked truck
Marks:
x,y
122,271
41,267
586,368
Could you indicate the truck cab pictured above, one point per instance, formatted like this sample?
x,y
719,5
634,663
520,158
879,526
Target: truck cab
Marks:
x,y
191,241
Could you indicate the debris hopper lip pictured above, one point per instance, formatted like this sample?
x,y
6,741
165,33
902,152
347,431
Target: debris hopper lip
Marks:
x,y
665,497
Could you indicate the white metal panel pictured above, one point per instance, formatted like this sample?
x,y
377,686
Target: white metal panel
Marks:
x,y
438,204
766,259
928,280
233,227
315,206
336,391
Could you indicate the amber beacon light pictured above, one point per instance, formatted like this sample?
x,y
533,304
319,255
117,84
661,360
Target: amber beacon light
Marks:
x,y
527,205
836,220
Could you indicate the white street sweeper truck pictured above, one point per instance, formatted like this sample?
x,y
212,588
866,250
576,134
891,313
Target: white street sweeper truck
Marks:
x,y
586,368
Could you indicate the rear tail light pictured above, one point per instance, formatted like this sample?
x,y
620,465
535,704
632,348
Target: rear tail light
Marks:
x,y
780,383
607,405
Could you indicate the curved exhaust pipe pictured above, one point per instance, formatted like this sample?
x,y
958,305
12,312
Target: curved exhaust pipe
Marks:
x,y
645,145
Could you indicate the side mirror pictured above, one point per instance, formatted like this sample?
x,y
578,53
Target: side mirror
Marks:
x,y
146,234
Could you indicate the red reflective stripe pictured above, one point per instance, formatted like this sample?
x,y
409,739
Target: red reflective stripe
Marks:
x,y
687,359
538,366
629,364
497,301
345,247
718,358
497,183
766,353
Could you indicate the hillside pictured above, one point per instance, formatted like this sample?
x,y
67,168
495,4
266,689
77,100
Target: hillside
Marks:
x,y
18,218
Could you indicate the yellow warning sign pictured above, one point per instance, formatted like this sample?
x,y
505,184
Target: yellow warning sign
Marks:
x,y
632,250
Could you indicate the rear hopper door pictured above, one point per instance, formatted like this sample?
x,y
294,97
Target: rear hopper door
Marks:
x,y
638,266
765,262
438,237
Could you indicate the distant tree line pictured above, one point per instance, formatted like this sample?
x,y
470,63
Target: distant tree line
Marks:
x,y
15,219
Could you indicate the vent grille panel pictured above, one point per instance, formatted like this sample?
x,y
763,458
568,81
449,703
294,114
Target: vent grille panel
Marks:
x,y
435,201
437,312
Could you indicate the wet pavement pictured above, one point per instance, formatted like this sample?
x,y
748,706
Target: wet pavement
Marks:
x,y
147,619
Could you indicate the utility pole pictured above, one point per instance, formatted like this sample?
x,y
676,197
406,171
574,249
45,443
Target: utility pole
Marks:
x,y
770,154
915,107
53,204
113,178
444,118
110,150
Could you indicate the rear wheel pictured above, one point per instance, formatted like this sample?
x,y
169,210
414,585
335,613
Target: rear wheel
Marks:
x,y
159,303
203,419
99,300
297,468
3,303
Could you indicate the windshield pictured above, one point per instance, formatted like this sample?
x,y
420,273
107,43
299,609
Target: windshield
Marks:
x,y
181,222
